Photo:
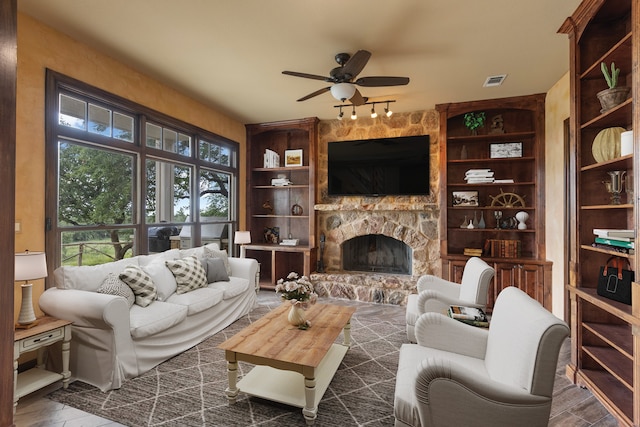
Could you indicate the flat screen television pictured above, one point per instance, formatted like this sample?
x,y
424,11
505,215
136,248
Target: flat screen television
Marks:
x,y
396,166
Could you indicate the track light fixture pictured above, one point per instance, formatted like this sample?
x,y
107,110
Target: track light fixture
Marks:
x,y
387,111
374,114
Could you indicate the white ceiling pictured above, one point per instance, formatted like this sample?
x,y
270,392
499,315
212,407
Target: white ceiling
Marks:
x,y
230,54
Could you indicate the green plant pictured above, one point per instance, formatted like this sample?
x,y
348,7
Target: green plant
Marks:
x,y
473,121
612,79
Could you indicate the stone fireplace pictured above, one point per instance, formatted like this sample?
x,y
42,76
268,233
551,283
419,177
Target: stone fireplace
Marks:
x,y
411,223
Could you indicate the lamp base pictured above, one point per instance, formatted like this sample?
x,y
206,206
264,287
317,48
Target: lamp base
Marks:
x,y
27,315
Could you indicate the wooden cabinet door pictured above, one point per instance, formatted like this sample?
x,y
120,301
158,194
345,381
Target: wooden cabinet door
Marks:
x,y
506,275
456,268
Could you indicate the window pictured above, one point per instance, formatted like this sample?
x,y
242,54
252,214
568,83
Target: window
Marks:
x,y
124,180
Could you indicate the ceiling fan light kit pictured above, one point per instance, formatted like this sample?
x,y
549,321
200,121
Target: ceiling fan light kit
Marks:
x,y
344,79
343,91
374,115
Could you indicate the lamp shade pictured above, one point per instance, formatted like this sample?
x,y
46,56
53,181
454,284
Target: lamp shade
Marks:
x,y
242,237
343,91
30,266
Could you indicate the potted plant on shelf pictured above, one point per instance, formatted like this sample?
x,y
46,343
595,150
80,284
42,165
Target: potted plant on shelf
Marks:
x,y
615,95
473,121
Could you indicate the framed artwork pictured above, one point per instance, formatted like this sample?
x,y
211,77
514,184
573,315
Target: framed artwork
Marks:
x,y
293,158
465,198
272,235
505,150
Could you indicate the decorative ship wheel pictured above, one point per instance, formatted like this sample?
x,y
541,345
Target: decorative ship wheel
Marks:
x,y
507,200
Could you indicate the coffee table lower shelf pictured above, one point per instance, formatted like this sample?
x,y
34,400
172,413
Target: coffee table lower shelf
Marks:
x,y
287,387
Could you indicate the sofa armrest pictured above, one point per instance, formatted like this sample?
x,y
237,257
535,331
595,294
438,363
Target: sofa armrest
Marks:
x,y
435,330
246,268
86,308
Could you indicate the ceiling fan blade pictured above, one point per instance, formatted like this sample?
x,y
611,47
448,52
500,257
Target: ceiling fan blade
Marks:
x,y
357,99
356,63
316,93
381,81
306,76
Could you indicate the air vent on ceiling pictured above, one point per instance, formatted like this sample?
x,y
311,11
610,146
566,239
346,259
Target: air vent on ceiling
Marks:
x,y
494,80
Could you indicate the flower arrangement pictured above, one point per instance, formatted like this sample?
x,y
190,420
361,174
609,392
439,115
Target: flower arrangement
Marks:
x,y
298,290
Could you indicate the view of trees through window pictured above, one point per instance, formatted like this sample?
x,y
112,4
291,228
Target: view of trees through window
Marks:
x,y
129,180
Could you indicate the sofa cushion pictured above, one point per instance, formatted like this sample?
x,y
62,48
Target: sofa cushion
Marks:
x,y
162,278
88,277
211,252
144,260
189,274
157,317
112,285
216,271
234,287
140,283
198,300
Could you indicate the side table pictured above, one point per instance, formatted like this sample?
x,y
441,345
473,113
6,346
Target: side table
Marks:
x,y
49,330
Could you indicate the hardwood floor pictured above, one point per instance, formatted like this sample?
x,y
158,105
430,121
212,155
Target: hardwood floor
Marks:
x,y
572,406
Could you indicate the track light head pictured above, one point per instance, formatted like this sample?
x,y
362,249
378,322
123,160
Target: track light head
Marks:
x,y
353,114
373,111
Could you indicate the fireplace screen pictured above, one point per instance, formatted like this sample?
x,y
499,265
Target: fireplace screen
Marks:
x,y
376,253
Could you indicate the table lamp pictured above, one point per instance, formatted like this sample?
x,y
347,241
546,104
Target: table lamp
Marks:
x,y
242,238
29,266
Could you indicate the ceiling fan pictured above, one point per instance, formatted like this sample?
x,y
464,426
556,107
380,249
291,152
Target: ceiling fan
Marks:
x,y
342,77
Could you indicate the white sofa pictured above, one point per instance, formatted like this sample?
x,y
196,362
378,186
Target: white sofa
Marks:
x,y
113,341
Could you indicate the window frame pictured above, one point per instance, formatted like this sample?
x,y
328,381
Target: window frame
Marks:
x,y
57,84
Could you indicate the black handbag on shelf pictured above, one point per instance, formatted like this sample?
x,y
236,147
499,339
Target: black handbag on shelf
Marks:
x,y
614,282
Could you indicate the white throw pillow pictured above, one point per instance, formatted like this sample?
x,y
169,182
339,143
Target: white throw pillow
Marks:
x,y
162,279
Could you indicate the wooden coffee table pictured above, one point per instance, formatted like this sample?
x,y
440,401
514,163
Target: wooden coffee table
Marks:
x,y
293,366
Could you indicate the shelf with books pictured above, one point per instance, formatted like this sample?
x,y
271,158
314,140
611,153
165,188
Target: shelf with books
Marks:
x,y
510,146
604,347
281,197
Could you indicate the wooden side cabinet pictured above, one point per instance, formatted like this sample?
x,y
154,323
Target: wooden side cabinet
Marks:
x,y
48,331
532,277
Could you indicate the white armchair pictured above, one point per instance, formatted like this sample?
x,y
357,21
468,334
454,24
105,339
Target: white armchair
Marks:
x,y
461,375
436,294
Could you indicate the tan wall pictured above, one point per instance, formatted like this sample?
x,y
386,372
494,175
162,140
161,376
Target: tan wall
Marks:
x,y
556,239
40,47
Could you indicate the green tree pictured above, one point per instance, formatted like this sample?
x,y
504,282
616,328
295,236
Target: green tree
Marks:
x,y
95,188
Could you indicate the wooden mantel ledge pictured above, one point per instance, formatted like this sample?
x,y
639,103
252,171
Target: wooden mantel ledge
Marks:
x,y
389,206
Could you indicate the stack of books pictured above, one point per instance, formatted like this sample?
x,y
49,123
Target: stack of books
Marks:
x,y
271,159
473,251
476,176
615,240
470,315
498,248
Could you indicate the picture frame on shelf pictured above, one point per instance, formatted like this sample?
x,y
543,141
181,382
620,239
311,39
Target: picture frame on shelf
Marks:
x,y
272,235
293,158
464,198
502,150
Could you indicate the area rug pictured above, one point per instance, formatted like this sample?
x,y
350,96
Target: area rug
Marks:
x,y
188,390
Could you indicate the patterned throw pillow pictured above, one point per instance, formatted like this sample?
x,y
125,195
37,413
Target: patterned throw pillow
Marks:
x,y
217,253
140,283
112,285
189,274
